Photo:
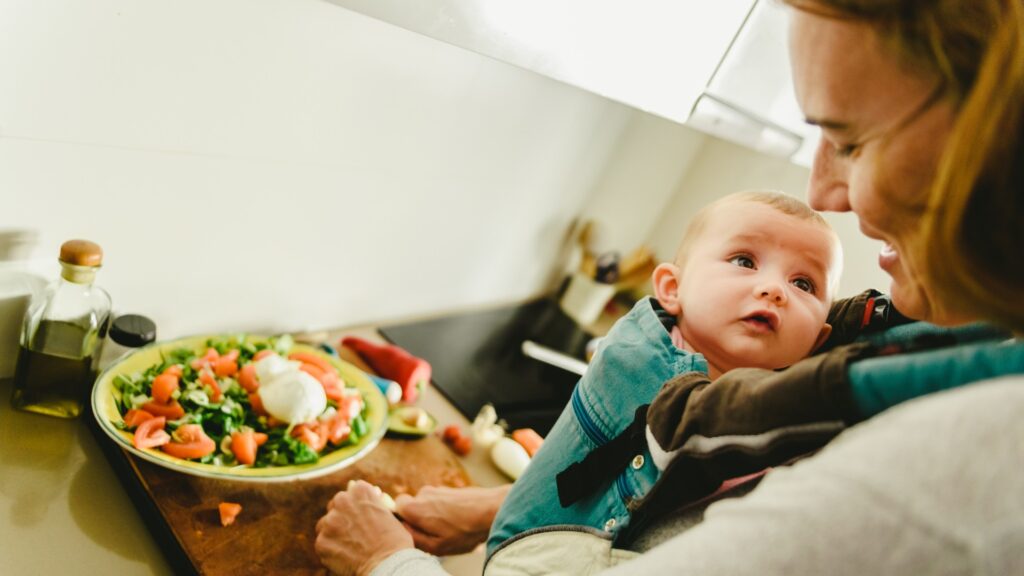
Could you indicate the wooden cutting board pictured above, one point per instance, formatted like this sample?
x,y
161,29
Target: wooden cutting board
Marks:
x,y
275,531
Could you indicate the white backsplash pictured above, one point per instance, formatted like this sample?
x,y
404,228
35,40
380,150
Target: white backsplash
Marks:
x,y
286,164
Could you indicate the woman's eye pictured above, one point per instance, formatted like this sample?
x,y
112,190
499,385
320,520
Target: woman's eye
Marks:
x,y
846,150
742,262
804,284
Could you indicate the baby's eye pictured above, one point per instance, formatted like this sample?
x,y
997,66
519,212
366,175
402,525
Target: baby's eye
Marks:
x,y
743,261
804,284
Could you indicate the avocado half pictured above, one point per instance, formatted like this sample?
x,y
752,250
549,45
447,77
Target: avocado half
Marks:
x,y
410,422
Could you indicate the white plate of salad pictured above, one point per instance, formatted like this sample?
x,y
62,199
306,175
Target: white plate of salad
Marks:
x,y
239,407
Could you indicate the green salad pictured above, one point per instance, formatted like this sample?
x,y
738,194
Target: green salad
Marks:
x,y
242,402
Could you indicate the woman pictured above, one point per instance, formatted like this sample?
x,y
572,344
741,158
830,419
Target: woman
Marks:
x,y
920,108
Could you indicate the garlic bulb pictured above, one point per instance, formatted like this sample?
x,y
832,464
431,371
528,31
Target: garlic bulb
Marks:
x,y
510,457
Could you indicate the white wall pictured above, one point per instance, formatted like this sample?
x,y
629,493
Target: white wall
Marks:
x,y
720,168
286,164
640,178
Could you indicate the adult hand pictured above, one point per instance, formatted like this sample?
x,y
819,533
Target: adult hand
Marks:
x,y
446,521
358,532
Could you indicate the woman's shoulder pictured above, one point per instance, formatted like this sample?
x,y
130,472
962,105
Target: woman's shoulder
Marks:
x,y
947,463
961,445
933,480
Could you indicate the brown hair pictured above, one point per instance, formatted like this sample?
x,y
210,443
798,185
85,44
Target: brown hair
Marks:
x,y
972,232
780,201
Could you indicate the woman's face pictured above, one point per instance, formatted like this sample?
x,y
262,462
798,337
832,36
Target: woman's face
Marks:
x,y
883,131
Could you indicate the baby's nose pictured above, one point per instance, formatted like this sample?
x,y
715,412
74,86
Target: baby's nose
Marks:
x,y
771,291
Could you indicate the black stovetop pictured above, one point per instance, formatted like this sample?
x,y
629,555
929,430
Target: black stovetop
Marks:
x,y
477,358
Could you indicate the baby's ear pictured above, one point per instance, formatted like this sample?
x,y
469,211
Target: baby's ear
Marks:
x,y
826,329
666,287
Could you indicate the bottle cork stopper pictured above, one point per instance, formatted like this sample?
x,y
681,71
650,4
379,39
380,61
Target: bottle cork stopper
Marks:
x,y
81,253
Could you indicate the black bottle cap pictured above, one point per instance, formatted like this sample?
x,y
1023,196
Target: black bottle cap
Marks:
x,y
133,330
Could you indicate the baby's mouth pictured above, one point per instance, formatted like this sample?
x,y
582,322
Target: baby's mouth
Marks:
x,y
763,321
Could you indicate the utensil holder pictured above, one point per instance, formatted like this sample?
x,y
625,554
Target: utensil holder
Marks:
x,y
585,298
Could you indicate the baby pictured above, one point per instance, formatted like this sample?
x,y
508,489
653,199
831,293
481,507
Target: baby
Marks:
x,y
751,286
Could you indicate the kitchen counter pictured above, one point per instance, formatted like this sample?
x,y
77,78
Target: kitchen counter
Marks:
x,y
64,511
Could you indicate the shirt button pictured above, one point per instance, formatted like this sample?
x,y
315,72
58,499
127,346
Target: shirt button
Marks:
x,y
638,461
609,525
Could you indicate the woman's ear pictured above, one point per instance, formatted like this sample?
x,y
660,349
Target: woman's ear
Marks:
x,y
666,287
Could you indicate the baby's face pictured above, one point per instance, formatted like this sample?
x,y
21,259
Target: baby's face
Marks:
x,y
754,288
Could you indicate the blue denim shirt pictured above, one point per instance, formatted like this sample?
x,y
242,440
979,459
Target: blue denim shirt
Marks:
x,y
632,362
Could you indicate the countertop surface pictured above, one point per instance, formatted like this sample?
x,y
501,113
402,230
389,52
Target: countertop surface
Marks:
x,y
64,511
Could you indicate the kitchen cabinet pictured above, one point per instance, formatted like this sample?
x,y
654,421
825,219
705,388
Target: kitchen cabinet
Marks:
x,y
750,98
721,67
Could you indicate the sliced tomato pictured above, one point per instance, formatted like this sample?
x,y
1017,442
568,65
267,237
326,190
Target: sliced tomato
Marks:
x,y
257,404
312,369
329,380
350,405
164,386
207,378
174,370
190,442
338,429
322,432
244,444
226,365
326,377
171,410
247,378
151,433
334,392
134,417
310,358
206,359
228,512
313,435
262,354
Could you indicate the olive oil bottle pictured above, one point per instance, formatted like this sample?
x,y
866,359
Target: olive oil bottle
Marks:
x,y
61,336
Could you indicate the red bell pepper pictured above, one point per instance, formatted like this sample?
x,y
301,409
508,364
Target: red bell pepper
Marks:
x,y
393,362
